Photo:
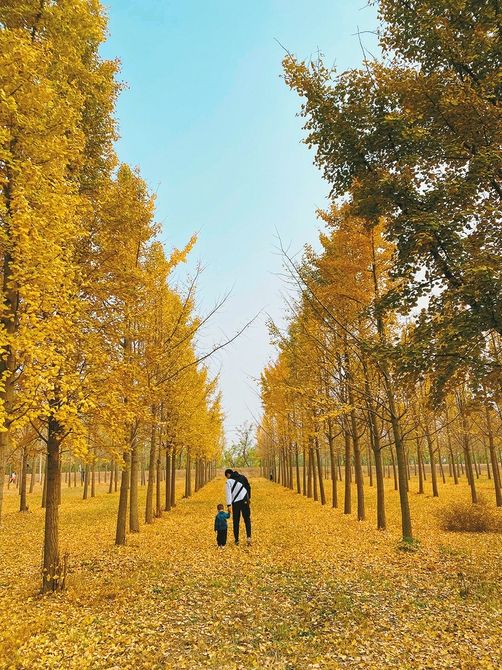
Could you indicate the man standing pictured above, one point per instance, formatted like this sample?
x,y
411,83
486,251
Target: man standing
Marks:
x,y
238,491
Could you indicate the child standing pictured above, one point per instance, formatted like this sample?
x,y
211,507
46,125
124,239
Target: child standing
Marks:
x,y
221,526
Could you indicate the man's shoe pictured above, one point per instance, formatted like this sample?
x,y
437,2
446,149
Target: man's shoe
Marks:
x,y
236,543
248,541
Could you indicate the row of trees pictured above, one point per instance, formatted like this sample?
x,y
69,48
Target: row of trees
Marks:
x,y
393,345
98,350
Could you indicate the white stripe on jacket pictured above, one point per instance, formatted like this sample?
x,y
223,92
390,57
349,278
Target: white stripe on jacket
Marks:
x,y
235,491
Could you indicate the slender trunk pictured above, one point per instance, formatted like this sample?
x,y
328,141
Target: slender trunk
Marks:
x,y
32,476
120,535
406,526
304,472
158,478
309,475
173,477
297,468
151,474
377,452
440,463
23,505
475,463
167,505
430,447
358,469
44,486
487,460
51,564
93,478
347,500
453,465
314,472
493,458
188,475
112,468
86,482
321,483
331,443
420,468
466,446
396,486
133,502
381,518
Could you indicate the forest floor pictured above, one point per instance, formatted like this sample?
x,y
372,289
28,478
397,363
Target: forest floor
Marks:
x,y
316,590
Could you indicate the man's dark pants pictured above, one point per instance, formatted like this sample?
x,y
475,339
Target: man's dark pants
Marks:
x,y
238,508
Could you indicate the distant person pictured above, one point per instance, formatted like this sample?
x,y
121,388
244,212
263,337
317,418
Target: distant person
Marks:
x,y
271,477
238,493
13,477
221,526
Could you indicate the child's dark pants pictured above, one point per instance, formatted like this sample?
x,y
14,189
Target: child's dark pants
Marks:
x,y
221,537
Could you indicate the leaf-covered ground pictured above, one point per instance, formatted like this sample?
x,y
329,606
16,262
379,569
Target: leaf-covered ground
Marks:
x,y
316,590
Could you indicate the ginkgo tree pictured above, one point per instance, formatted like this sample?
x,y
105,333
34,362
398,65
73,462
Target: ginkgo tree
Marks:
x,y
98,349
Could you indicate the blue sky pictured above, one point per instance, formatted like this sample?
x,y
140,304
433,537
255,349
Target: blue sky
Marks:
x,y
213,128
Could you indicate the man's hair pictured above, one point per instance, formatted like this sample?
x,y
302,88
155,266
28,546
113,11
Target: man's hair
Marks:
x,y
219,506
229,471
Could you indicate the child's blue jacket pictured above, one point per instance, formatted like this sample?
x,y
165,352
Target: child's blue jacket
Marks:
x,y
220,521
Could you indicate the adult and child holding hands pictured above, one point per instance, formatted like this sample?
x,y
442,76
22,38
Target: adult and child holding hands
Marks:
x,y
238,499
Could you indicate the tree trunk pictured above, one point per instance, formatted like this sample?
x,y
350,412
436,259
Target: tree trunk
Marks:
x,y
377,452
420,468
86,482
93,477
151,474
440,463
309,475
358,469
188,475
430,447
406,526
133,503
173,477
347,501
467,454
120,535
158,479
23,505
32,477
112,468
167,506
304,473
44,485
396,486
51,564
319,469
331,443
493,458
297,467
314,472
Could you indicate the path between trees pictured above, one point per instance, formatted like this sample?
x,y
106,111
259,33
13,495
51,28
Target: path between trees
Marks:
x,y
316,590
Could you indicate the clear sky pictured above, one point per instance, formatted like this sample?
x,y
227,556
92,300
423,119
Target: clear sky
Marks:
x,y
213,128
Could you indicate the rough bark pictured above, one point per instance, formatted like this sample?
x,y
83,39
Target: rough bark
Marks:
x,y
120,535
51,563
